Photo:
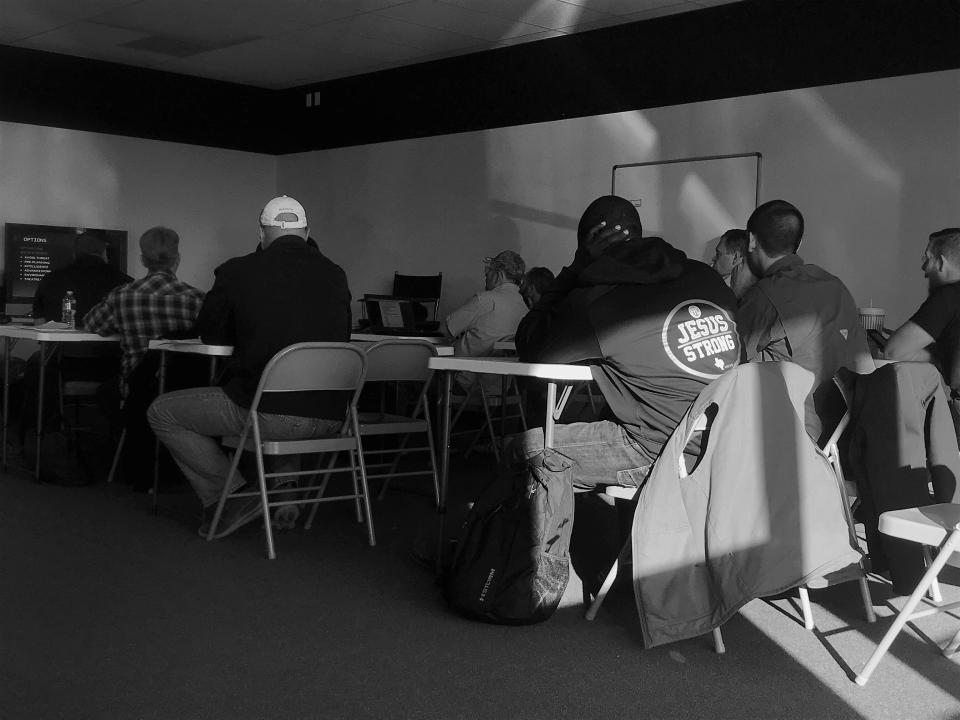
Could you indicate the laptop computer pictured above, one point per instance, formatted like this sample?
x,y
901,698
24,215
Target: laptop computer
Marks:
x,y
390,315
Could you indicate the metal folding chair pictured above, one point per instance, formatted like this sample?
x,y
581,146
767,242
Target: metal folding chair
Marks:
x,y
931,526
306,367
403,362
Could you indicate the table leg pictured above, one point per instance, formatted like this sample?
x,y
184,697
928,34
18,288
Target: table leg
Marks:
x,y
44,360
156,443
551,409
213,370
6,396
503,412
445,439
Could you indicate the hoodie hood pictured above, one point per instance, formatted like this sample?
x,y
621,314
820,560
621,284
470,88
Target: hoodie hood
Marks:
x,y
645,262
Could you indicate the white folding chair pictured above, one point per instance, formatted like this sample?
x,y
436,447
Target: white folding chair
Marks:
x,y
931,526
399,361
306,367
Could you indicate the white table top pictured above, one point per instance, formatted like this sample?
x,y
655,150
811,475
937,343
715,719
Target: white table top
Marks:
x,y
375,337
27,332
442,348
512,366
192,346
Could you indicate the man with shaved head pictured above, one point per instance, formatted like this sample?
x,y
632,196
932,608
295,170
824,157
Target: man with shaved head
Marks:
x,y
656,328
798,311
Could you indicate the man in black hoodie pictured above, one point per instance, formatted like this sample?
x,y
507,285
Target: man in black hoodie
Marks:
x,y
656,328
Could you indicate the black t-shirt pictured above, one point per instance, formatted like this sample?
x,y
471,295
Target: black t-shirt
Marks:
x,y
939,316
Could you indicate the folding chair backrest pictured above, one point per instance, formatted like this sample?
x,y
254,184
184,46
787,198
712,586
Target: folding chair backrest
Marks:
x,y
417,286
399,360
314,366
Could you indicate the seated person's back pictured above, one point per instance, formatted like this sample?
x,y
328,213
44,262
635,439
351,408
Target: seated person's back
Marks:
x,y
798,311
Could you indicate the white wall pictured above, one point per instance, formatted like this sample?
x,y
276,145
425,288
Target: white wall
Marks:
x,y
210,197
874,166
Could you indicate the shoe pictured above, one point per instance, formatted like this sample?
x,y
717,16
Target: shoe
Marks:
x,y
237,512
285,517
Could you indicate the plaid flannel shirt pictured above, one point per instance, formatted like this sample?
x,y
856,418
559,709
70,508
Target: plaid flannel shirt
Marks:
x,y
144,310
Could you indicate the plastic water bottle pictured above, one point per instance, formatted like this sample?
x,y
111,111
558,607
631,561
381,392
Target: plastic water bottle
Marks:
x,y
69,310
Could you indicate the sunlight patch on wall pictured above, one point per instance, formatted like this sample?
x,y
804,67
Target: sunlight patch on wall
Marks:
x,y
869,161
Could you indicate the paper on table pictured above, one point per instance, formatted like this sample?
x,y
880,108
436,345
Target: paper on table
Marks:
x,y
52,325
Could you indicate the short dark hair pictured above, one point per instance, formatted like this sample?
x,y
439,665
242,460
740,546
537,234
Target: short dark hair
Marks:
x,y
612,209
160,248
946,242
778,227
539,278
735,240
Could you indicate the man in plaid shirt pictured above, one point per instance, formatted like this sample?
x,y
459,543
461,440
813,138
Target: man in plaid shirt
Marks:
x,y
158,305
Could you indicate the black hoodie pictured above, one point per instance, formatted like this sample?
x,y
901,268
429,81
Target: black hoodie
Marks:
x,y
656,326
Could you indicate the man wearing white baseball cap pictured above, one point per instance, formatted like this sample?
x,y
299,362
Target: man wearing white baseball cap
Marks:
x,y
260,303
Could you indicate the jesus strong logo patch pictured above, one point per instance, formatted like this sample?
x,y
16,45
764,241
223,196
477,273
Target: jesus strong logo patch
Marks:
x,y
701,339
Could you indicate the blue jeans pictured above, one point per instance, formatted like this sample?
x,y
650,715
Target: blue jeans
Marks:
x,y
191,422
603,453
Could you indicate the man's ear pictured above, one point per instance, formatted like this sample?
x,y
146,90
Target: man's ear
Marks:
x,y
143,261
752,243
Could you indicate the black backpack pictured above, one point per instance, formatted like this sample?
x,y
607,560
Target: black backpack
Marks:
x,y
511,563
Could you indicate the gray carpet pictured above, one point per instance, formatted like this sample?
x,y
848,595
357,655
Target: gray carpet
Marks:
x,y
111,612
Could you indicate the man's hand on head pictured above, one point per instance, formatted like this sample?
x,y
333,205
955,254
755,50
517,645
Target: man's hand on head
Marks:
x,y
599,239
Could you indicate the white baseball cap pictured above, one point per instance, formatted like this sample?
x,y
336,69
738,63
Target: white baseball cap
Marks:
x,y
283,212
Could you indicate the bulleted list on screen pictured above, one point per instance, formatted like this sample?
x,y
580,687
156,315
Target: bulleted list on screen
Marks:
x,y
33,265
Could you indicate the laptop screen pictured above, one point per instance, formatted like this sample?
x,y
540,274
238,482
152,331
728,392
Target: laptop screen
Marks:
x,y
389,313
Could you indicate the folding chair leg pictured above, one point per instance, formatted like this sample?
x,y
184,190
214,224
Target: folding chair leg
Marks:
x,y
116,455
867,600
905,615
264,500
934,586
490,430
363,478
401,451
808,622
602,592
356,486
432,450
718,642
323,487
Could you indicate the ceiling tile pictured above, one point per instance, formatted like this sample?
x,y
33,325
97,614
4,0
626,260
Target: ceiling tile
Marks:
x,y
544,35
380,28
662,11
201,23
95,41
624,7
458,20
546,14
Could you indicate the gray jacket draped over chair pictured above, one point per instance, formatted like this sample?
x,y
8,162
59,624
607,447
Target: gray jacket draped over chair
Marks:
x,y
760,512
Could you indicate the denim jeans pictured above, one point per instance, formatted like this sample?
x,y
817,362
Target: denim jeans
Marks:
x,y
191,422
603,453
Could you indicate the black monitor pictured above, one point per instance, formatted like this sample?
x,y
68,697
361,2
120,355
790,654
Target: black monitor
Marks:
x,y
31,251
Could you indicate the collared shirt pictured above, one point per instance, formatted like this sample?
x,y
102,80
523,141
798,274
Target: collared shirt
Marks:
x,y
484,319
144,310
802,313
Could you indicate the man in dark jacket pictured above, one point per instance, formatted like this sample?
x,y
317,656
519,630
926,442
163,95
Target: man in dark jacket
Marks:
x,y
656,328
260,303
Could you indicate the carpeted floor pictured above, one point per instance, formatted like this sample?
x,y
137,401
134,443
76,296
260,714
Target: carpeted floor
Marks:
x,y
109,611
